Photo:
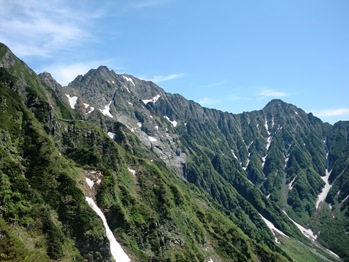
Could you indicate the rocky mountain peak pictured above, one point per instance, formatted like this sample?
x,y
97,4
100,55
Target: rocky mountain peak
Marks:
x,y
7,58
276,102
47,75
102,73
103,68
49,80
279,105
280,113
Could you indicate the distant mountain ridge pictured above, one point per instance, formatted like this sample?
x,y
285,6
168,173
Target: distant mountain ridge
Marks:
x,y
266,143
243,183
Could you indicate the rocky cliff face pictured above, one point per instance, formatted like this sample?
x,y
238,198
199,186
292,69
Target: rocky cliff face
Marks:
x,y
128,100
175,181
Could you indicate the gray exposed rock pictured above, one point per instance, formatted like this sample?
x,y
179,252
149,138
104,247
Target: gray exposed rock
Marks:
x,y
132,102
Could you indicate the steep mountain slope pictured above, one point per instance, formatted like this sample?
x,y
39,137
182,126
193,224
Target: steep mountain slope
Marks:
x,y
175,181
275,158
52,158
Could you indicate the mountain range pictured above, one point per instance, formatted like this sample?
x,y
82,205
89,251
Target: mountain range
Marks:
x,y
111,162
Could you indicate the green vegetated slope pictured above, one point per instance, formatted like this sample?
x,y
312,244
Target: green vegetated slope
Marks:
x,y
275,158
155,215
40,200
239,167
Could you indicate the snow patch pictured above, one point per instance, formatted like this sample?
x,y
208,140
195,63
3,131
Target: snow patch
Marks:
x,y
322,196
268,143
269,134
111,135
89,182
345,199
332,253
266,126
72,100
248,147
273,229
133,172
139,124
98,181
153,100
152,139
232,151
91,110
173,123
115,249
128,90
306,232
286,161
129,80
86,105
106,110
263,160
245,167
290,185
157,127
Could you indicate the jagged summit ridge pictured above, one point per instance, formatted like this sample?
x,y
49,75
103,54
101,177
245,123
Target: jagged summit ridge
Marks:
x,y
133,102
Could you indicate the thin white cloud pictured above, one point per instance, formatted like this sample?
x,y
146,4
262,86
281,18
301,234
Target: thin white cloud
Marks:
x,y
65,73
214,84
150,3
333,112
234,97
39,28
207,101
163,78
265,92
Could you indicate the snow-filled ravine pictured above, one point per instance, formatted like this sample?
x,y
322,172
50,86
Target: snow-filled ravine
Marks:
x,y
273,229
72,100
322,196
306,232
290,185
116,250
106,110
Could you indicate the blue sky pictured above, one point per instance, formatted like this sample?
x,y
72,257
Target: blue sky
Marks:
x,y
232,55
